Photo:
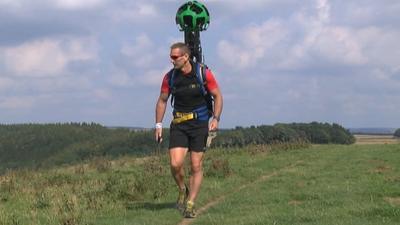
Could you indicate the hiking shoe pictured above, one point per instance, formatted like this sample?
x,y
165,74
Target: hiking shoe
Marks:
x,y
189,212
182,197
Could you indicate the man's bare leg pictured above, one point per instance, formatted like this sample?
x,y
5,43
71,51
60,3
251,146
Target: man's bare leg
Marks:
x,y
177,159
196,177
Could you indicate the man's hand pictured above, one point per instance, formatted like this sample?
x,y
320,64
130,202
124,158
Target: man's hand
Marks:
x,y
160,111
213,125
216,93
158,135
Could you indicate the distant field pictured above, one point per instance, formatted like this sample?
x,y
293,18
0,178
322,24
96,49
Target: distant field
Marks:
x,y
376,139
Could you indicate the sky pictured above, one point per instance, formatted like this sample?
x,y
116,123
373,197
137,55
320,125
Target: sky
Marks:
x,y
276,61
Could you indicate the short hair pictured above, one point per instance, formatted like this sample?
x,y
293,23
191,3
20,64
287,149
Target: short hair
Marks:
x,y
182,46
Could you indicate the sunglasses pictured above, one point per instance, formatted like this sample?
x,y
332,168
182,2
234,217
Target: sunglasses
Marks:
x,y
175,57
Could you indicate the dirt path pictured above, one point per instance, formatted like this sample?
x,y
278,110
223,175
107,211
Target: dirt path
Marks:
x,y
215,201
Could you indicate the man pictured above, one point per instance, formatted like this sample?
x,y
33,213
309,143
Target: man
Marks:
x,y
191,124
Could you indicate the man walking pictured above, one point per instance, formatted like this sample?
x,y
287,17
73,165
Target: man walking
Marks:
x,y
191,124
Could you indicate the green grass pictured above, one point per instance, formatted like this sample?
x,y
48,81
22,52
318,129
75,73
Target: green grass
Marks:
x,y
331,185
324,184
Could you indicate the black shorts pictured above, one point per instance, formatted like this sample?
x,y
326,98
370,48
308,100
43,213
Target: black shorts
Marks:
x,y
189,134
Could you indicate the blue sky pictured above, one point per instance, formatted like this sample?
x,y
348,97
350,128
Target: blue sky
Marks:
x,y
276,60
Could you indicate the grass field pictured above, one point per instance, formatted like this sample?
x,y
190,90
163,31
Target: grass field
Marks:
x,y
324,184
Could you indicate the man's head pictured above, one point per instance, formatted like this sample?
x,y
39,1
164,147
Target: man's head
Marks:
x,y
180,54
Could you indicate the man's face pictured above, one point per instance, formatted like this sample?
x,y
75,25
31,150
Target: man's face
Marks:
x,y
178,59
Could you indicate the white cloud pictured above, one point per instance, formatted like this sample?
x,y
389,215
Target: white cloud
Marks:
x,y
146,10
140,51
47,57
240,5
60,4
380,45
36,58
143,59
323,9
121,79
11,3
341,45
13,103
66,84
309,39
81,49
325,41
102,94
78,4
138,12
251,44
143,52
152,77
337,45
6,83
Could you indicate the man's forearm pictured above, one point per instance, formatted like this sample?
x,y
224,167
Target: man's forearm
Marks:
x,y
160,110
218,102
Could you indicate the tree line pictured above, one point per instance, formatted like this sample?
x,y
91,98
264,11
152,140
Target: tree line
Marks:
x,y
397,133
314,133
47,145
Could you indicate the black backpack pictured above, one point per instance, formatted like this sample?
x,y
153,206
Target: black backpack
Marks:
x,y
200,71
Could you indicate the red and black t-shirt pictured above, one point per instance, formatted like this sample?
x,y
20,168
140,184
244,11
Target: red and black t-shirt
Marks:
x,y
188,95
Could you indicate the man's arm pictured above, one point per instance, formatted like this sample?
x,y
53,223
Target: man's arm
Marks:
x,y
218,103
160,111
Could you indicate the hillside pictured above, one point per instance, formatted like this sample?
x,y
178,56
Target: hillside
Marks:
x,y
280,184
47,145
36,146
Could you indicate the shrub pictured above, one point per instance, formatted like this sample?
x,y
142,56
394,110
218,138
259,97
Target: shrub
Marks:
x,y
397,133
218,167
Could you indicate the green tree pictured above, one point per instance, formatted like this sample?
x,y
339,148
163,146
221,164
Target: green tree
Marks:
x,y
397,133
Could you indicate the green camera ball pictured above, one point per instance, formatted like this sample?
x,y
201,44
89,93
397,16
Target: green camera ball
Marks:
x,y
192,16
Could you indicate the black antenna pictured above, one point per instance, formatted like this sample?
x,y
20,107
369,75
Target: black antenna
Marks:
x,y
192,39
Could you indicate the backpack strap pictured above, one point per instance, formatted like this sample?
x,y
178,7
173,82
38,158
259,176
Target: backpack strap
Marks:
x,y
171,77
201,70
201,76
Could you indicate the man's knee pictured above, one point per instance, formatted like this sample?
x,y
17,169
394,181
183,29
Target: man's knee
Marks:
x,y
176,166
196,167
